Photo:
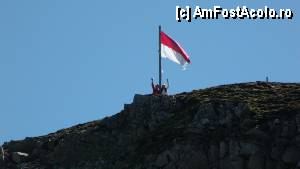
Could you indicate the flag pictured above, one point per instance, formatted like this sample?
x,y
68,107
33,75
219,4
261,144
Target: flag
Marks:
x,y
172,50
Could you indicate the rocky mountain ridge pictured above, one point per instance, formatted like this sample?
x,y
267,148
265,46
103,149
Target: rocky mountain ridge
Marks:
x,y
240,126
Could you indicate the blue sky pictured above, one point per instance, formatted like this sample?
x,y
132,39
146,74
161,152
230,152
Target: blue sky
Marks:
x,y
72,61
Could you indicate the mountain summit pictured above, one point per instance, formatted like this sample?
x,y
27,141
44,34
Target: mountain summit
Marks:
x,y
240,126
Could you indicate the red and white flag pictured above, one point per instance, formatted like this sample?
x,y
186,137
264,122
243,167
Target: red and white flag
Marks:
x,y
172,50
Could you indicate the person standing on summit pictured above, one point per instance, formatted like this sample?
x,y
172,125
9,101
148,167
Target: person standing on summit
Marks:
x,y
155,88
164,88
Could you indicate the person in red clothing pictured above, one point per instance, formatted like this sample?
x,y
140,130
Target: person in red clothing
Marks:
x,y
155,88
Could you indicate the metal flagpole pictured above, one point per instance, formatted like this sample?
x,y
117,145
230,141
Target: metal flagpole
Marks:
x,y
159,53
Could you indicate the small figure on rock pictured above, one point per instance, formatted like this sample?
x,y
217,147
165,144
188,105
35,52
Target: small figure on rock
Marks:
x,y
155,88
164,88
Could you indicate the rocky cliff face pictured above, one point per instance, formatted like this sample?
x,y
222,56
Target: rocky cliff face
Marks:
x,y
239,126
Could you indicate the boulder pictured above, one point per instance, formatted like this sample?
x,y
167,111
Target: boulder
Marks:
x,y
247,148
256,161
275,153
291,155
223,149
18,157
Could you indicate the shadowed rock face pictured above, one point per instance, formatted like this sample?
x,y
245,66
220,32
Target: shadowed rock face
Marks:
x,y
239,126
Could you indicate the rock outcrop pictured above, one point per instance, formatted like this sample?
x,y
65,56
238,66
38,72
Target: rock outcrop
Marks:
x,y
240,126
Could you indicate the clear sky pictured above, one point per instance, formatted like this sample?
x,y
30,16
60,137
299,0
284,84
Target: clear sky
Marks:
x,y
64,62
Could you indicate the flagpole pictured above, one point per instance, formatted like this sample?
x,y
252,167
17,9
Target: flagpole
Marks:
x,y
159,53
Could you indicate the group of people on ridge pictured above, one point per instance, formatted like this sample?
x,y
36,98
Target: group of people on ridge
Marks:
x,y
159,90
